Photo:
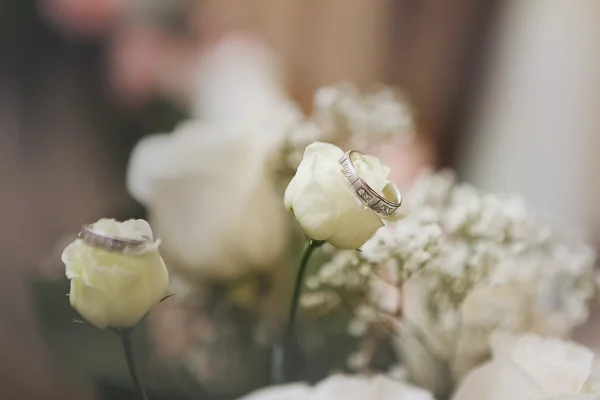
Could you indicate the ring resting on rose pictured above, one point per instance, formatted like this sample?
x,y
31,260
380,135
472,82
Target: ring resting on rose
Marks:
x,y
112,244
378,203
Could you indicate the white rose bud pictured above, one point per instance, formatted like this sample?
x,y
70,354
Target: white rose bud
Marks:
x,y
112,289
323,203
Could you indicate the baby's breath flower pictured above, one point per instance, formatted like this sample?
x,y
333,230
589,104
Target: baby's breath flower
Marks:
x,y
345,116
461,265
345,110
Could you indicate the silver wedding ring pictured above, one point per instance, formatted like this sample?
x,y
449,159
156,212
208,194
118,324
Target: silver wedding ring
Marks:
x,y
110,243
376,202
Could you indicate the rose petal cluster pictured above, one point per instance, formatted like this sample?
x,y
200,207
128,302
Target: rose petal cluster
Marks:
x,y
531,367
322,202
112,289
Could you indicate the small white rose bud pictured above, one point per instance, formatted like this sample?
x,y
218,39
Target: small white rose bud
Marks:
x,y
323,203
111,289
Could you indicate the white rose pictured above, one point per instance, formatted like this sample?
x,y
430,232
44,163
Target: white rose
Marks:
x,y
239,79
112,289
458,341
324,205
459,337
530,367
344,387
211,197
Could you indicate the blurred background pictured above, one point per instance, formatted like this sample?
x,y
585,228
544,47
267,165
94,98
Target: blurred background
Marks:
x,y
506,92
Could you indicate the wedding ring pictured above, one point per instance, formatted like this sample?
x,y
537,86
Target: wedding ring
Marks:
x,y
110,243
376,202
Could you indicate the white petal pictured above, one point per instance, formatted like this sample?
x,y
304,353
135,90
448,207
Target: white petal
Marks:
x,y
89,302
354,228
267,217
290,193
528,367
497,380
140,226
292,391
555,365
326,151
476,386
70,257
144,163
356,223
238,79
316,213
367,388
132,286
124,230
372,171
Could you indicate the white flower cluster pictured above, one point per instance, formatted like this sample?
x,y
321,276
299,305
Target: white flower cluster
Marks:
x,y
347,117
461,265
489,241
381,112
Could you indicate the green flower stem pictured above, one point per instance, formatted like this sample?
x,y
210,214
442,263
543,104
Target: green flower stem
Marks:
x,y
127,346
311,246
281,352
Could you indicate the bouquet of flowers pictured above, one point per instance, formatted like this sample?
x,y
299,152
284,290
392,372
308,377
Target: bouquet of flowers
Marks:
x,y
214,192
446,291
462,265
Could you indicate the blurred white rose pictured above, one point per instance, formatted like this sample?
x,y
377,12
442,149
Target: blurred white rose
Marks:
x,y
344,387
453,345
239,79
530,367
457,339
210,195
325,206
113,289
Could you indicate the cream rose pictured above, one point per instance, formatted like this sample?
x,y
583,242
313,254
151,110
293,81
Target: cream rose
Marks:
x,y
238,79
113,289
530,367
344,387
211,196
459,341
323,204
